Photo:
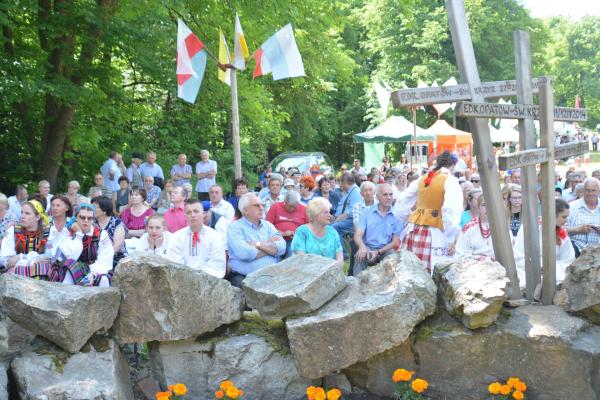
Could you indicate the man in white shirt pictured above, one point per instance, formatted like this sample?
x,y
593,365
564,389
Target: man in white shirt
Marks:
x,y
197,246
15,202
111,172
218,204
206,171
44,190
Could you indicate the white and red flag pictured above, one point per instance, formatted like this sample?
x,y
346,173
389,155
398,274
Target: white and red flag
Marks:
x,y
279,55
191,63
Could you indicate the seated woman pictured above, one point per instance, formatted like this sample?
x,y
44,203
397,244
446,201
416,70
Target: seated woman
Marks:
x,y
115,228
475,240
7,218
73,194
24,248
87,256
287,216
565,254
121,197
134,216
472,210
61,211
327,191
155,240
307,189
164,200
317,237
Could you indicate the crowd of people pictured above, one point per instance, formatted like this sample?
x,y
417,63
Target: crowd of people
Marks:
x,y
358,215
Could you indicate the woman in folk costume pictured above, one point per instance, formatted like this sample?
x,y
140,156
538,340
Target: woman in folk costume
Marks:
x,y
88,254
25,249
475,240
435,222
565,254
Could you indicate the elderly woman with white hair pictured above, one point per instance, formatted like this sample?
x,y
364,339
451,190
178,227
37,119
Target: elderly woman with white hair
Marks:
x,y
7,218
73,194
318,237
287,216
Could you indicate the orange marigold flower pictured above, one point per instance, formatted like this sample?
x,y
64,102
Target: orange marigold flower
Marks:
x,y
170,387
219,394
512,381
402,375
179,389
419,385
232,392
334,394
520,386
225,385
241,392
163,395
504,390
310,392
517,395
494,388
320,394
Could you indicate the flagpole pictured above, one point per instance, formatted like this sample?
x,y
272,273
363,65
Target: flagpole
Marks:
x,y
235,125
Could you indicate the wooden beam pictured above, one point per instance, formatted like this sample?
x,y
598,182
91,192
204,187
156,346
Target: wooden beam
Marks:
x,y
548,202
539,156
517,111
486,162
572,149
452,94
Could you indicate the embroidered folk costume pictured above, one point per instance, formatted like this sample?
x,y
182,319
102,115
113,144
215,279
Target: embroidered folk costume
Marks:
x,y
435,223
475,240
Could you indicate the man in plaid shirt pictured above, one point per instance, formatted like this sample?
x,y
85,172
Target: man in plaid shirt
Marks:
x,y
583,225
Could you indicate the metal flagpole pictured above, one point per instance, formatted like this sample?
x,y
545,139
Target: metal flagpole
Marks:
x,y
414,115
235,125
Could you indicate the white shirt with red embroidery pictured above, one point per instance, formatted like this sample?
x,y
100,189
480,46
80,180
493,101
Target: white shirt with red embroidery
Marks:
x,y
207,255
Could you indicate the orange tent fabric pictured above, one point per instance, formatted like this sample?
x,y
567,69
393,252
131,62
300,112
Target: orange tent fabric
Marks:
x,y
452,139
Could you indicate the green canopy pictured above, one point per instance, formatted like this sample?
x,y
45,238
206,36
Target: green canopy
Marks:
x,y
394,129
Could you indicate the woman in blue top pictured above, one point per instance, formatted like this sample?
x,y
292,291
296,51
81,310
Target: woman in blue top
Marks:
x,y
317,237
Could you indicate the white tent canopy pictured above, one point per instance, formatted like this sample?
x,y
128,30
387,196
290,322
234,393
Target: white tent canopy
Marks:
x,y
503,134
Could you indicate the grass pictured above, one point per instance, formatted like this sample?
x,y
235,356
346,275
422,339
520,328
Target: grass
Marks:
x,y
595,157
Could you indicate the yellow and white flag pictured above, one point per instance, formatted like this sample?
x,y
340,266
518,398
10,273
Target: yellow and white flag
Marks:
x,y
240,48
224,58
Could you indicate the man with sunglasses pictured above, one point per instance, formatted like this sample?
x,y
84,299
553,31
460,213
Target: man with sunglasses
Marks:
x,y
476,181
88,255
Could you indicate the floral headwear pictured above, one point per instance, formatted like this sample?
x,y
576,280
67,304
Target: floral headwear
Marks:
x,y
37,206
85,206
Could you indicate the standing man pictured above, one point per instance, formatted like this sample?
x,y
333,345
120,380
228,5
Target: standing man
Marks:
x,y
357,168
206,171
218,204
181,172
583,225
175,216
151,168
434,224
133,172
111,173
252,242
377,233
197,246
344,222
44,190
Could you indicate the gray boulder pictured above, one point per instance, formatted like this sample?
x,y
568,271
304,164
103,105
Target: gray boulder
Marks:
x,y
167,301
98,372
556,354
297,285
252,353
66,315
582,285
3,383
376,311
14,339
472,291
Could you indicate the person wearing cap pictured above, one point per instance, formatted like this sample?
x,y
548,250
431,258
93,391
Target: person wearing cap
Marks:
x,y
133,172
198,246
289,184
24,249
287,216
87,256
175,216
434,225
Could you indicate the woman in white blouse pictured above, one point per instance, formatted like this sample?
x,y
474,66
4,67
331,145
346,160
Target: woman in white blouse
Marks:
x,y
475,240
155,240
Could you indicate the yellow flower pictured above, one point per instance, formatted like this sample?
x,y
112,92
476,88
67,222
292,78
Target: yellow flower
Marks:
x,y
310,392
219,394
504,390
494,388
402,375
520,387
517,395
419,385
163,395
226,385
179,389
512,381
232,392
334,394
320,394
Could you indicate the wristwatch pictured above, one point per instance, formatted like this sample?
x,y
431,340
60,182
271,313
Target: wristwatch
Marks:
x,y
257,245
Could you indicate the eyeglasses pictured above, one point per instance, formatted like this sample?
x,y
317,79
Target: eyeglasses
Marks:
x,y
474,180
364,180
87,218
516,199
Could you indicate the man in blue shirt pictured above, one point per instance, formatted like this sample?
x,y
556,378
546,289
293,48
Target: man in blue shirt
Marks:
x,y
378,230
343,222
151,168
252,242
111,172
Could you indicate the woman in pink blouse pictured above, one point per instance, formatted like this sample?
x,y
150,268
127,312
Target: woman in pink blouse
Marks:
x,y
134,216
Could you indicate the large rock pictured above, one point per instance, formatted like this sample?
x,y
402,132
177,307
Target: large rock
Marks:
x,y
3,383
472,291
252,353
582,285
14,339
297,285
377,311
66,315
167,301
98,372
556,354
